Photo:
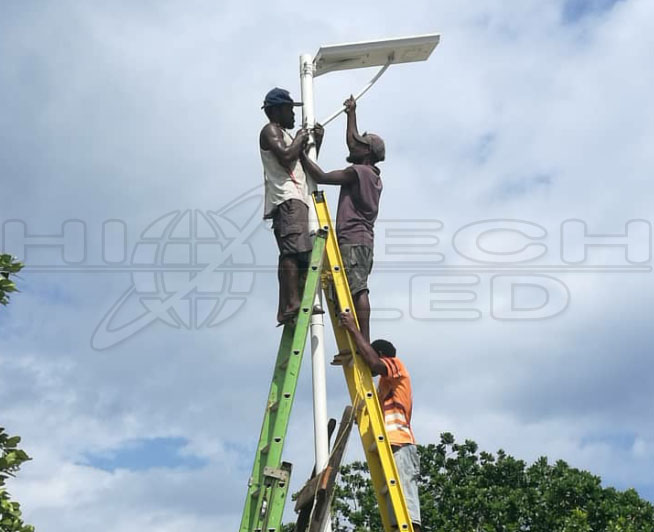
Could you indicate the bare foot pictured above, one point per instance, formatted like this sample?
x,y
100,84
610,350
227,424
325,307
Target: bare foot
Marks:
x,y
287,317
343,358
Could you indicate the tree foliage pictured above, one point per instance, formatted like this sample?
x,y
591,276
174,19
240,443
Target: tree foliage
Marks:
x,y
464,490
8,267
11,458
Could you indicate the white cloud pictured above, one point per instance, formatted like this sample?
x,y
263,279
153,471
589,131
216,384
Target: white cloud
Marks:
x,y
130,112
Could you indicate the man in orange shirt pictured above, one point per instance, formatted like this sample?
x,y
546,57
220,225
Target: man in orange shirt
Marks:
x,y
395,395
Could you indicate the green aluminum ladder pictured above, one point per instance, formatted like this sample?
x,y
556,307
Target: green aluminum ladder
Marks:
x,y
269,482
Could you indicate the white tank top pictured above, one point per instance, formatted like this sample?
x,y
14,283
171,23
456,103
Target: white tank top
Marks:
x,y
280,184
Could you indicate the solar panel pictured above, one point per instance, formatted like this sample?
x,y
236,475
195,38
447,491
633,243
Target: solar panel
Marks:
x,y
374,53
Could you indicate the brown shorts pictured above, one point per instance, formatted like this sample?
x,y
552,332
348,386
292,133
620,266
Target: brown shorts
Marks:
x,y
291,228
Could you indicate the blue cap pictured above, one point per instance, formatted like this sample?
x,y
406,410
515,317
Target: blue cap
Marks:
x,y
278,96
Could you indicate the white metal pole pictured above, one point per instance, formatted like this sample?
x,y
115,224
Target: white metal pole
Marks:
x,y
317,322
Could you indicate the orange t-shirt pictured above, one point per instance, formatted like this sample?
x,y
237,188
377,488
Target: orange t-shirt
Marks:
x,y
395,395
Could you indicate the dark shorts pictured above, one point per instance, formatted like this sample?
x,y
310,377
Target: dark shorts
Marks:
x,y
357,259
291,228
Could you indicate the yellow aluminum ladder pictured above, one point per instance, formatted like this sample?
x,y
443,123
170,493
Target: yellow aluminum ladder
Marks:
x,y
369,415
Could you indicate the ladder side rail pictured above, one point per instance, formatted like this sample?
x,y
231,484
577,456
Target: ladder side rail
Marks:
x,y
256,488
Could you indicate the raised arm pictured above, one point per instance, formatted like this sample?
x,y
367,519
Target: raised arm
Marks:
x,y
337,177
351,131
272,139
370,356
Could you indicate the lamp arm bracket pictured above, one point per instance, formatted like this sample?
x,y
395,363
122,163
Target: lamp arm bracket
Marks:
x,y
362,91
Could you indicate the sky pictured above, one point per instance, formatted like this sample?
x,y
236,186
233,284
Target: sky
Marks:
x,y
513,264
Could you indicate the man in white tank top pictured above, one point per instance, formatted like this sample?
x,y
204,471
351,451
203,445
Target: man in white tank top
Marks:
x,y
287,198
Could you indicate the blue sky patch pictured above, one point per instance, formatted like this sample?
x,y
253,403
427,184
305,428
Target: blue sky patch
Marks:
x,y
523,186
144,454
575,10
623,441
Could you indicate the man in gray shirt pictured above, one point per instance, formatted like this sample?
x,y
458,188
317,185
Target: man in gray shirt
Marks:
x,y
358,205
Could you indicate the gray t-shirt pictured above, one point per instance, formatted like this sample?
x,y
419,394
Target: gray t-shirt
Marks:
x,y
358,205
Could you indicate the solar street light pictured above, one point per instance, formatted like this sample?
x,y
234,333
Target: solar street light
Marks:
x,y
382,53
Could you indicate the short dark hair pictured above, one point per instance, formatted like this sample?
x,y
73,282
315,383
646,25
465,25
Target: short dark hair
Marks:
x,y
384,348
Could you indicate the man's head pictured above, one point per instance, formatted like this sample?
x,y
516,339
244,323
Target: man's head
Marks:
x,y
367,148
384,348
278,106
